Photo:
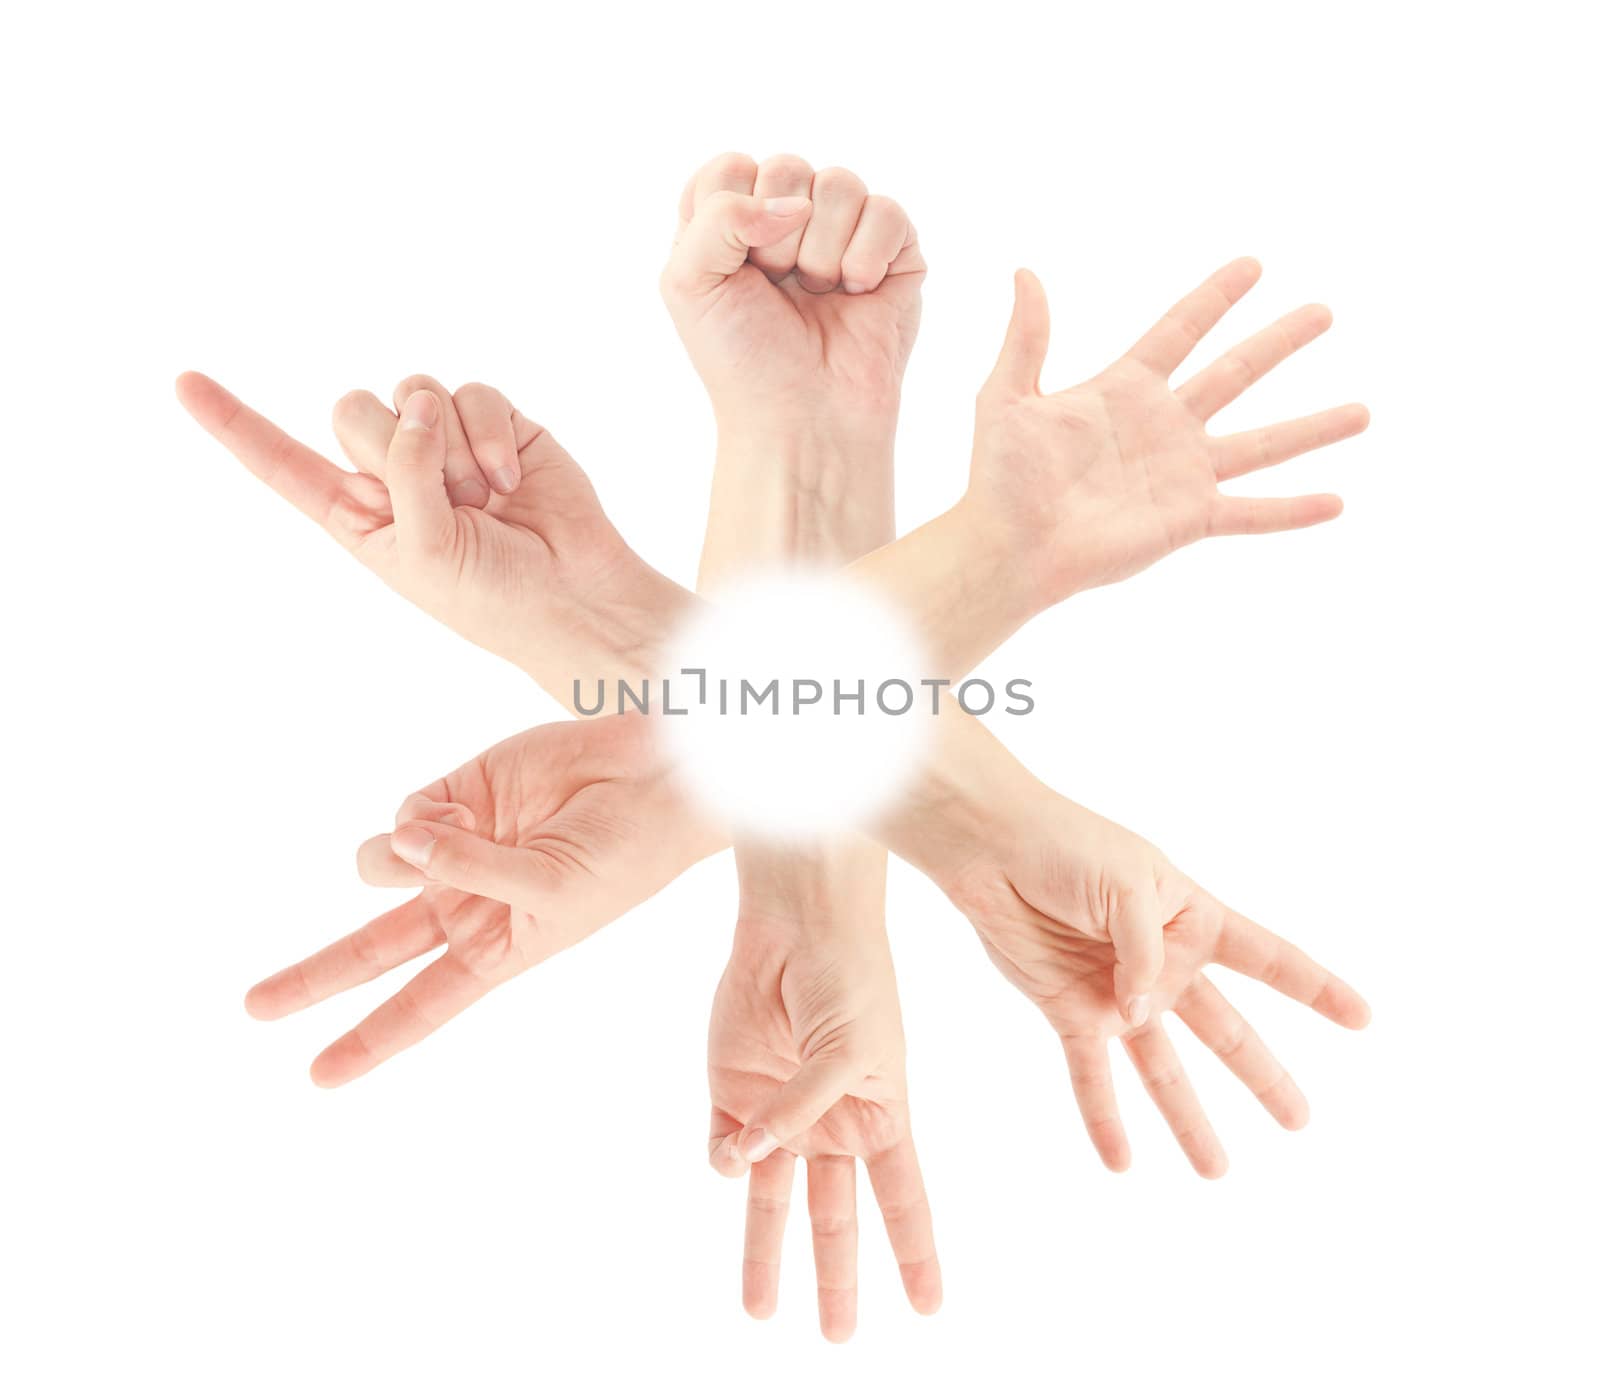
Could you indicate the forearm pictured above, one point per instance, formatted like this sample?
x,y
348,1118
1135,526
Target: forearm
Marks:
x,y
813,497
618,633
970,796
961,589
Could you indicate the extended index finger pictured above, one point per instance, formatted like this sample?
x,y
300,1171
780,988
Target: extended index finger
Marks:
x,y
306,479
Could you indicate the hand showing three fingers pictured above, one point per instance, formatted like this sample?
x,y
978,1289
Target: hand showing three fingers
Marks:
x,y
807,1058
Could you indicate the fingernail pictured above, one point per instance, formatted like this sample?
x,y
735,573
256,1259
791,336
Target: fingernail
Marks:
x,y
1138,1010
852,287
412,844
504,479
757,1144
421,411
785,206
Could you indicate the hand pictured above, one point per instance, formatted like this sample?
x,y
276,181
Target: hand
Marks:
x,y
797,295
1051,900
535,573
522,852
1099,481
807,1059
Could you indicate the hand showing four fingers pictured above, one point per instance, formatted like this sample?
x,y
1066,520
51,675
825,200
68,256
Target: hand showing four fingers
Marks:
x,y
1048,904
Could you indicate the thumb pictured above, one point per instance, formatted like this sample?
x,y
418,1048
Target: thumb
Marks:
x,y
797,1105
1027,339
1137,937
727,226
447,855
414,474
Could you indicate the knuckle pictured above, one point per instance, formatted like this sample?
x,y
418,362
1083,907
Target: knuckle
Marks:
x,y
837,185
887,210
412,383
783,168
476,392
728,166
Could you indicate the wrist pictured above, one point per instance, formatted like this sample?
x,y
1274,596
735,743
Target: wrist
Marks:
x,y
970,801
821,888
814,489
618,631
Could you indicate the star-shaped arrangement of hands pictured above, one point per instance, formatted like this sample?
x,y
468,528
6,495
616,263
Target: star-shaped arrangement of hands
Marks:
x,y
797,295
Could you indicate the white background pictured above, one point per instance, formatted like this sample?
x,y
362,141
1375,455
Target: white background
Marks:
x,y
1376,738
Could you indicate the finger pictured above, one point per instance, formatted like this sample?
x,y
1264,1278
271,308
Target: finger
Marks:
x,y
365,426
1223,1030
414,469
837,197
1237,514
431,805
376,862
725,229
1165,345
1136,935
1090,1069
1226,378
907,270
485,416
446,855
1157,1063
464,481
1252,950
766,1213
796,1106
389,940
831,1199
730,172
1240,453
897,1183
436,994
307,480
1027,339
783,175
377,865
882,232
723,1144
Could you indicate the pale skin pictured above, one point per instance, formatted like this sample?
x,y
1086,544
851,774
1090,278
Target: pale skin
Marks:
x,y
413,514
797,295
1065,901
613,611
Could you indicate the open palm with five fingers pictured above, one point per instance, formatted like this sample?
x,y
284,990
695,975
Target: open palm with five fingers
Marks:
x,y
807,1060
521,852
1097,482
